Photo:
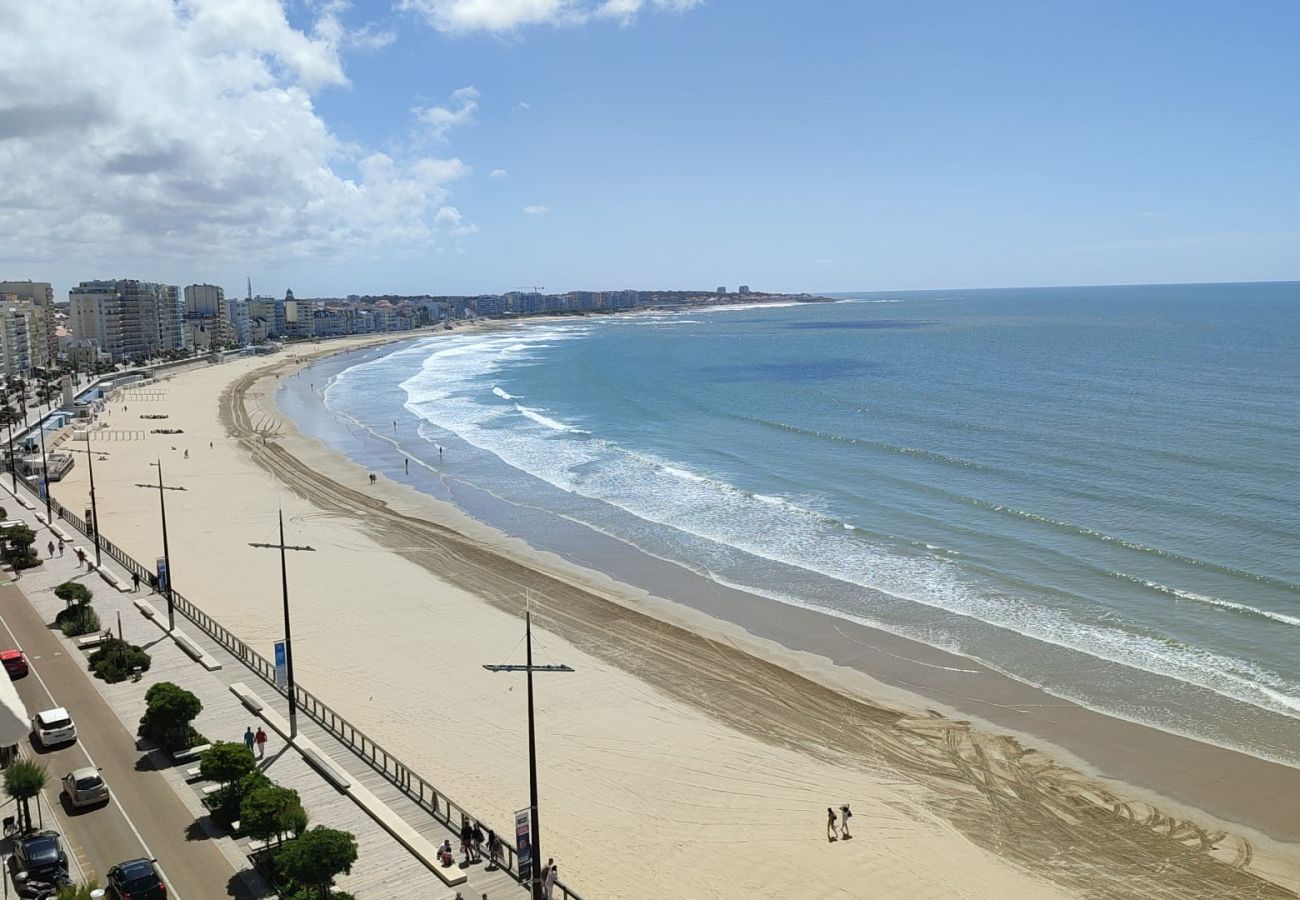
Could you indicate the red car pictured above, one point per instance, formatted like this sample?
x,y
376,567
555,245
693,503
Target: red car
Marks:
x,y
15,662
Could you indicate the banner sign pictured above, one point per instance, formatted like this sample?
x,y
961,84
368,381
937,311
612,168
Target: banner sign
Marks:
x,y
281,666
524,844
163,575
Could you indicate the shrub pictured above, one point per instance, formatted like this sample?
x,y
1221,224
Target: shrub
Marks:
x,y
226,761
73,592
269,811
115,660
77,620
226,801
16,547
169,710
316,858
24,780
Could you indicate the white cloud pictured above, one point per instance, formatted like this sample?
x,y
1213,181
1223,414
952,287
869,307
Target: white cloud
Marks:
x,y
523,105
442,119
537,210
213,149
498,173
460,16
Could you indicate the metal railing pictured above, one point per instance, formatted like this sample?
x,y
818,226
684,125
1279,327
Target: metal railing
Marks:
x,y
407,780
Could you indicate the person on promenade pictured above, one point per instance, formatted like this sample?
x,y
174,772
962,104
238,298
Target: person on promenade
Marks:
x,y
260,738
831,834
552,875
135,582
249,738
61,546
81,557
466,840
494,849
478,836
50,547
187,454
845,815
445,856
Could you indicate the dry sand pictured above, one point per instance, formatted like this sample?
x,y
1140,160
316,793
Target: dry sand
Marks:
x,y
677,762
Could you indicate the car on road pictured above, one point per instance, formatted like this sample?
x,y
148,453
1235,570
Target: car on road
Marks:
x,y
85,787
53,726
41,856
15,662
136,879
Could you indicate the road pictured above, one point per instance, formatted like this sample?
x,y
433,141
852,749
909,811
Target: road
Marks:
x,y
144,816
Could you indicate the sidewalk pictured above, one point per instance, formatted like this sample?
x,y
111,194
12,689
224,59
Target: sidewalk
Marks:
x,y
385,868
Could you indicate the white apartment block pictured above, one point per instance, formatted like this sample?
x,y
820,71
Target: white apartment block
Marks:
x,y
44,341
16,318
128,319
207,316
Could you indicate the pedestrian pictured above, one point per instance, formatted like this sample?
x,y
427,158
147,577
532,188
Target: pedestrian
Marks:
x,y
548,883
845,815
249,738
50,547
187,454
260,738
494,848
466,840
831,834
135,582
81,557
408,465
61,545
209,445
479,837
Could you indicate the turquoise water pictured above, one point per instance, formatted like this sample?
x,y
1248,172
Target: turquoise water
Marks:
x,y
1091,489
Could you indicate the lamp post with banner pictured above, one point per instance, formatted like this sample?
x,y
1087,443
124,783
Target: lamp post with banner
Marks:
x,y
164,565
284,649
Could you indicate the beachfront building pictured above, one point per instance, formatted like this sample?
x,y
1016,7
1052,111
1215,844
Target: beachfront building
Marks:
x,y
207,317
237,319
40,294
128,319
299,317
744,290
16,320
271,311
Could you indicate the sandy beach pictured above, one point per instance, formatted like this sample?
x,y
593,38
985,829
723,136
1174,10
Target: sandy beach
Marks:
x,y
686,757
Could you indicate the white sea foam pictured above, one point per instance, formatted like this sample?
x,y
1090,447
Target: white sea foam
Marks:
x,y
448,392
503,395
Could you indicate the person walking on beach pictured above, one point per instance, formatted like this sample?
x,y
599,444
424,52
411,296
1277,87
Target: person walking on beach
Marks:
x,y
831,834
249,738
260,738
187,454
135,582
845,815
408,465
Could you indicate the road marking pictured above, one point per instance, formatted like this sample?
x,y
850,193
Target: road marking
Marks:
x,y
112,797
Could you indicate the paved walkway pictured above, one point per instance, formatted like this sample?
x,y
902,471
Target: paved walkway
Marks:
x,y
384,868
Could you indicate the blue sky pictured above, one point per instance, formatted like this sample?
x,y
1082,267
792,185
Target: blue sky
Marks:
x,y
790,146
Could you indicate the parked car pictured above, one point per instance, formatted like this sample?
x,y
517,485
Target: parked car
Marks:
x,y
85,787
136,879
41,856
54,726
15,662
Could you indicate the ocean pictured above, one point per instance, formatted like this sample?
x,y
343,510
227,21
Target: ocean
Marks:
x,y
1093,490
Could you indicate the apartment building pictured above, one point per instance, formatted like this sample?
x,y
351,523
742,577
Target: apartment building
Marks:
x,y
44,341
128,319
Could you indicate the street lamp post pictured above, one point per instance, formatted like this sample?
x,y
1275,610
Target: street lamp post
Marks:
x,y
167,559
93,524
13,463
288,637
535,872
45,472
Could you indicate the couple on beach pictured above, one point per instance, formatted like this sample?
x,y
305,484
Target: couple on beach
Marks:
x,y
832,833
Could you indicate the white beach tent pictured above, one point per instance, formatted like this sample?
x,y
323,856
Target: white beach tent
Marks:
x,y
14,721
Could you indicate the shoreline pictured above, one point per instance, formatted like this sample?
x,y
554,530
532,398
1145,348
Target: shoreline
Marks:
x,y
941,755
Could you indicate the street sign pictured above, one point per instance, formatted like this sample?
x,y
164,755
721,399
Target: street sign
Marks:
x,y
163,575
524,844
281,666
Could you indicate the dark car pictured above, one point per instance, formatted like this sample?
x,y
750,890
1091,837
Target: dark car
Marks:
x,y
136,879
41,856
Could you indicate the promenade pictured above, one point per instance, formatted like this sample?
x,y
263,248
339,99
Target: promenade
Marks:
x,y
393,831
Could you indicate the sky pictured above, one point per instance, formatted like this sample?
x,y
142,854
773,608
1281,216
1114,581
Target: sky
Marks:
x,y
476,146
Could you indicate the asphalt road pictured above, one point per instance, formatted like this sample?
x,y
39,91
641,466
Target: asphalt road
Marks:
x,y
144,817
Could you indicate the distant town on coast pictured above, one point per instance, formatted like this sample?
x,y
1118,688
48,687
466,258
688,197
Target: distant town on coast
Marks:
x,y
111,322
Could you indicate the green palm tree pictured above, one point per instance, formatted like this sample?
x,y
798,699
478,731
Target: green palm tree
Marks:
x,y
24,780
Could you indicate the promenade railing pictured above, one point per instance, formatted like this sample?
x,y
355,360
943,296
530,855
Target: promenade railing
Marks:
x,y
403,777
